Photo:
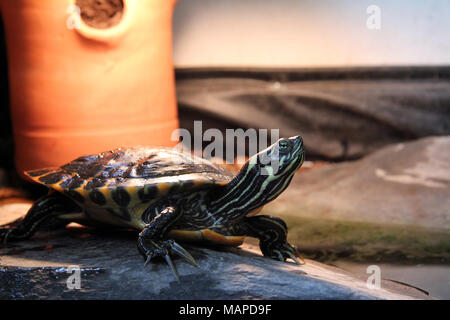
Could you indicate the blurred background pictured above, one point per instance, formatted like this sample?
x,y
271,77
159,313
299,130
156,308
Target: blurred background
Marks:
x,y
366,84
306,33
372,104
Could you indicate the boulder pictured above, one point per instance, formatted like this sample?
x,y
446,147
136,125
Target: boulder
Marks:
x,y
340,116
401,184
111,268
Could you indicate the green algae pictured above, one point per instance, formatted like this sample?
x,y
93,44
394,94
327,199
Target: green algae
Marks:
x,y
327,240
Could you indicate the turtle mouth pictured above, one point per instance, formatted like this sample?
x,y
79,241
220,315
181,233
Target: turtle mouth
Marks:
x,y
298,152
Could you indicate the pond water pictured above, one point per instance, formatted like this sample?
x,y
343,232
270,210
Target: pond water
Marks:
x,y
435,279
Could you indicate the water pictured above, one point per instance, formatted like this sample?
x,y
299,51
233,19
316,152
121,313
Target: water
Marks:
x,y
435,279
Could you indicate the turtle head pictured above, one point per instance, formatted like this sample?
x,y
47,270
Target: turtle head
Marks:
x,y
263,178
280,160
273,168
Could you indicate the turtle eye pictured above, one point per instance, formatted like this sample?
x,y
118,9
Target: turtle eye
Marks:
x,y
283,145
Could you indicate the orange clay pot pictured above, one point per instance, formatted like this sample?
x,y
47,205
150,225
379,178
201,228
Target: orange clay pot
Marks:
x,y
81,91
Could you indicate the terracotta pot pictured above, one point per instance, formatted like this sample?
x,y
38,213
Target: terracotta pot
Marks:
x,y
86,90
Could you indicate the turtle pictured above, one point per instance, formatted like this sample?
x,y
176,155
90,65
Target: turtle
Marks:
x,y
169,196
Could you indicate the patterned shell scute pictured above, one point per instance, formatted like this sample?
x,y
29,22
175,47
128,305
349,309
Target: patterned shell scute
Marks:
x,y
124,172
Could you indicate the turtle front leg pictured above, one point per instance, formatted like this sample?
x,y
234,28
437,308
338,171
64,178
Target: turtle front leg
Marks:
x,y
272,235
151,242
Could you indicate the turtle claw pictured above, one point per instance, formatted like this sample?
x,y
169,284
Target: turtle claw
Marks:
x,y
279,256
299,261
180,251
164,249
282,252
147,261
172,266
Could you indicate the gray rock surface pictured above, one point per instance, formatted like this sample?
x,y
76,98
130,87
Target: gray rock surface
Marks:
x,y
111,268
406,183
338,119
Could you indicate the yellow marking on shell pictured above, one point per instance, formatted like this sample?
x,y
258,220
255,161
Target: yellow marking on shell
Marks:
x,y
83,193
107,189
134,199
57,186
36,178
86,181
130,190
107,193
199,182
163,187
207,236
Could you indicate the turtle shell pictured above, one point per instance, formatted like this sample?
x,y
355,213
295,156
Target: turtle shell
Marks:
x,y
128,176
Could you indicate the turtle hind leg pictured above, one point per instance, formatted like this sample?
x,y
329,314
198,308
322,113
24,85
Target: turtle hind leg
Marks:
x,y
152,243
272,234
39,215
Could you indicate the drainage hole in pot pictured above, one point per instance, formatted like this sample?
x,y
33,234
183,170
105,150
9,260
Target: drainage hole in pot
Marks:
x,y
101,14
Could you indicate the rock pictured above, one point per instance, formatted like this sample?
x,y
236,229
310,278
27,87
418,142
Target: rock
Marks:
x,y
111,268
404,184
338,119
13,211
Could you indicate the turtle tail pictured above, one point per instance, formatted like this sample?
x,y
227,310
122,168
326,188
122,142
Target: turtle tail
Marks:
x,y
43,210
